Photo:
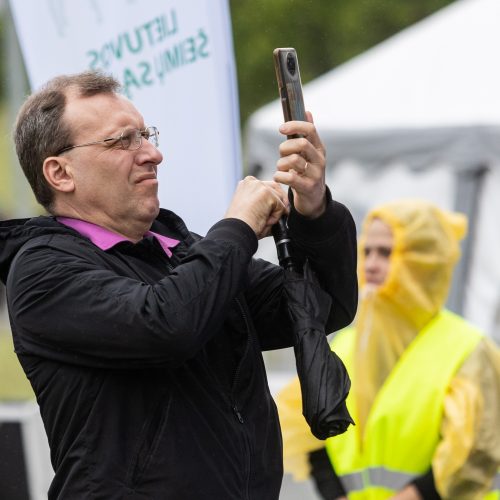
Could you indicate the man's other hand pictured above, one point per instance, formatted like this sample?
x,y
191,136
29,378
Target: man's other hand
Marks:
x,y
258,203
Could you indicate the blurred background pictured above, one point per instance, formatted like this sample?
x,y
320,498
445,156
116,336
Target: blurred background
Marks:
x,y
325,33
377,155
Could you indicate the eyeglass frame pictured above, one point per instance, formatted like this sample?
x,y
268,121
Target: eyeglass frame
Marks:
x,y
143,134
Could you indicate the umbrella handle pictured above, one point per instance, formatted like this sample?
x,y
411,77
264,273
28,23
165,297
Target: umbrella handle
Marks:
x,y
283,244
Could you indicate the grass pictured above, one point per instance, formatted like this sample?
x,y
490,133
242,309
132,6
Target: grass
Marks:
x,y
14,385
13,382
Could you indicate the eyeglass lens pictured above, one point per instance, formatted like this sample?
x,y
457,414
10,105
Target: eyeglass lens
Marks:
x,y
132,139
153,136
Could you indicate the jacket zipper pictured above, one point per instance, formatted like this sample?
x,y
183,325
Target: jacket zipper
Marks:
x,y
235,405
238,414
232,402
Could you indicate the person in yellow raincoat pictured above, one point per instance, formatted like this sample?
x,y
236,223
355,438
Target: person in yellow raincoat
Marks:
x,y
425,391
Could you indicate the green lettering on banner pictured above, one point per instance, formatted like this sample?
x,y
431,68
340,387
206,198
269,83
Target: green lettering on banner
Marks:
x,y
138,38
117,50
203,41
170,26
172,58
159,68
135,41
129,80
183,53
152,33
147,73
188,51
106,56
94,58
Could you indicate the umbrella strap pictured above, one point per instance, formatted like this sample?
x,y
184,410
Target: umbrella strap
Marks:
x,y
308,324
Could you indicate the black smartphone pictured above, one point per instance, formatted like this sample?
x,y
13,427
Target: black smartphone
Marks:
x,y
286,65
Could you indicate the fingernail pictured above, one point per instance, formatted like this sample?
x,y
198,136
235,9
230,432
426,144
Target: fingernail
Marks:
x,y
283,128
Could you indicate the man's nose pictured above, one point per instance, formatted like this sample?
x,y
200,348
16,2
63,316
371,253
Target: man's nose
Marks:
x,y
148,152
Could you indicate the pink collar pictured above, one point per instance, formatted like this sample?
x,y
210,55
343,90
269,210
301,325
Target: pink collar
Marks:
x,y
105,239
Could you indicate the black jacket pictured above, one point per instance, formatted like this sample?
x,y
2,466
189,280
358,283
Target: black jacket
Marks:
x,y
148,370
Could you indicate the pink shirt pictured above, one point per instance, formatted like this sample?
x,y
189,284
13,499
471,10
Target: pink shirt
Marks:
x,y
105,239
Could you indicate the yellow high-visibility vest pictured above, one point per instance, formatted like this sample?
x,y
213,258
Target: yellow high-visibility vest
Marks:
x,y
402,429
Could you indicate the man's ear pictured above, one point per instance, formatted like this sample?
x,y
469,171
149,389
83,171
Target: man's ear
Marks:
x,y
57,172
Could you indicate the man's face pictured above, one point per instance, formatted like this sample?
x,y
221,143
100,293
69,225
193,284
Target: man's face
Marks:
x,y
112,185
379,241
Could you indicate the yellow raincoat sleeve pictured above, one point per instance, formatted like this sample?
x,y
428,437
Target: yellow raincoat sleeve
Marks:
x,y
298,441
468,456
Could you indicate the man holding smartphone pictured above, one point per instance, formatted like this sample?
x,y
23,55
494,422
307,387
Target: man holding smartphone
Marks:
x,y
142,340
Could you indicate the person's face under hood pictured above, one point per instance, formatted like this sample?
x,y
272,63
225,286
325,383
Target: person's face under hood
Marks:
x,y
377,249
408,249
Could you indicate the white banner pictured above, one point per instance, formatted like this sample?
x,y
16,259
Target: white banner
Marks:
x,y
175,61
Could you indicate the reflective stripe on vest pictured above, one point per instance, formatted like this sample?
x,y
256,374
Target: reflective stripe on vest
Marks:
x,y
393,480
376,476
403,428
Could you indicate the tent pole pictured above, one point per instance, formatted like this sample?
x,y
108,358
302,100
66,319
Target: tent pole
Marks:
x,y
470,183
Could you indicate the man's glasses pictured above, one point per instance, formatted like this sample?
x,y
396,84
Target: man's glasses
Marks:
x,y
129,139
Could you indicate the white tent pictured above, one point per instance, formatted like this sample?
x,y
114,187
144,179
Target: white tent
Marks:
x,y
417,115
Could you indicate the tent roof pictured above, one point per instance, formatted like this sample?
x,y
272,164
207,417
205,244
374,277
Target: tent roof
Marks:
x,y
439,74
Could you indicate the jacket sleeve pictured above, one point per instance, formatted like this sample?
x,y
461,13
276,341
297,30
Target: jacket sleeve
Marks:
x,y
329,243
468,456
66,305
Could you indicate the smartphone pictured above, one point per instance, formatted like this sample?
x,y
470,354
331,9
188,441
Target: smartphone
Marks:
x,y
286,65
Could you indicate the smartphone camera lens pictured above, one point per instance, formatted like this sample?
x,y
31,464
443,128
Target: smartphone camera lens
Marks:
x,y
290,63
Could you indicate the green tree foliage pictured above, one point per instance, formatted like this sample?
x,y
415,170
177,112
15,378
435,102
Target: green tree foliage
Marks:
x,y
325,33
3,69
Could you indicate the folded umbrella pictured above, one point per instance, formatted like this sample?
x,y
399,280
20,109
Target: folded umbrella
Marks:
x,y
324,381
